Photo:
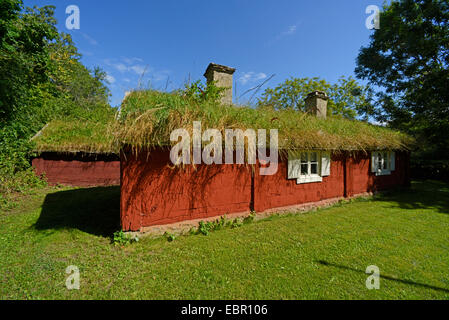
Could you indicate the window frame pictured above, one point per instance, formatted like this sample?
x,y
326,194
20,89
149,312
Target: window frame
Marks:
x,y
322,160
383,165
310,177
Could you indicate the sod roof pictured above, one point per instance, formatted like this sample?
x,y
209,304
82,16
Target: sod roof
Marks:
x,y
73,136
148,118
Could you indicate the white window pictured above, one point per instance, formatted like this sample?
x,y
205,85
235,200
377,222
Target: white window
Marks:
x,y
383,162
308,166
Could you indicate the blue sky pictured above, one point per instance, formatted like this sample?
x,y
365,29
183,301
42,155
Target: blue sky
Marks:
x,y
176,40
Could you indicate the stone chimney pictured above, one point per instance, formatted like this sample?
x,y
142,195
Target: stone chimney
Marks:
x,y
316,104
223,77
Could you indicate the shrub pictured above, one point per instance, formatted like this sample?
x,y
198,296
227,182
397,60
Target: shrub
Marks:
x,y
428,169
122,239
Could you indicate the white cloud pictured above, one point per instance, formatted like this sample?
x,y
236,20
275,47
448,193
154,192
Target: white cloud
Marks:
x,y
110,79
138,69
160,75
291,30
134,70
89,39
120,67
248,77
132,60
86,53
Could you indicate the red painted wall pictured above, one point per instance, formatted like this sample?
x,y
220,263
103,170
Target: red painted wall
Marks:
x,y
277,191
78,170
350,175
153,193
360,178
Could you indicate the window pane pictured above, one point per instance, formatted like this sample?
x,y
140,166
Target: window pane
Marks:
x,y
304,157
314,168
385,159
313,157
304,169
380,161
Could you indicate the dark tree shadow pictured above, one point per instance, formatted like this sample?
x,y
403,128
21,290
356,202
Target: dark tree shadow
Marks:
x,y
422,195
92,210
386,277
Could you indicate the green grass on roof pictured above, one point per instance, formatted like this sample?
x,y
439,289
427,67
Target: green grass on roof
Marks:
x,y
149,117
76,135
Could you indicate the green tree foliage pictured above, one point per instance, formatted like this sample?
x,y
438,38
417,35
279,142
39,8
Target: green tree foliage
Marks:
x,y
347,98
41,79
24,54
81,88
408,59
24,59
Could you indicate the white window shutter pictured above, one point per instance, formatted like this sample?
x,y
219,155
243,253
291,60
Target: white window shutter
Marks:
x,y
374,162
294,166
392,161
325,164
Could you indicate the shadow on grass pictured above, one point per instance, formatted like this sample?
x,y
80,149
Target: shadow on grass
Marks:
x,y
422,195
409,282
93,210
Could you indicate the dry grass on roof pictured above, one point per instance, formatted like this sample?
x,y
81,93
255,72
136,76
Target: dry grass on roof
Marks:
x,y
149,117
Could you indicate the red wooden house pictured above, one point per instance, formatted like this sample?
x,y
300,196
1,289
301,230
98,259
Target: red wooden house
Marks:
x,y
154,193
68,154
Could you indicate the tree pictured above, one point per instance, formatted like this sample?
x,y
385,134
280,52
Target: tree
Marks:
x,y
74,89
408,59
346,97
24,55
42,78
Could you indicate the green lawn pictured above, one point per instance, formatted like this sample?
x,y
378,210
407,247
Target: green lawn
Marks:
x,y
319,255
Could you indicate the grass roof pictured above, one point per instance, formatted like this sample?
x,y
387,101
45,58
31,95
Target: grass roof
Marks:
x,y
75,135
148,117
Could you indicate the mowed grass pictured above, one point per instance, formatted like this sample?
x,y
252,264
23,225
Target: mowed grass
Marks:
x,y
318,255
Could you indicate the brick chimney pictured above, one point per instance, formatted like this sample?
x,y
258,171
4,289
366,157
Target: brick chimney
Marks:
x,y
316,104
223,77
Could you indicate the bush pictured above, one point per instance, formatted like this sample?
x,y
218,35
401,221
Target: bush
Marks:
x,y
122,239
16,174
428,169
21,182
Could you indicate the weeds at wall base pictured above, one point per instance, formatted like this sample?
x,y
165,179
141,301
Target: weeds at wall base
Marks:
x,y
122,239
205,228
